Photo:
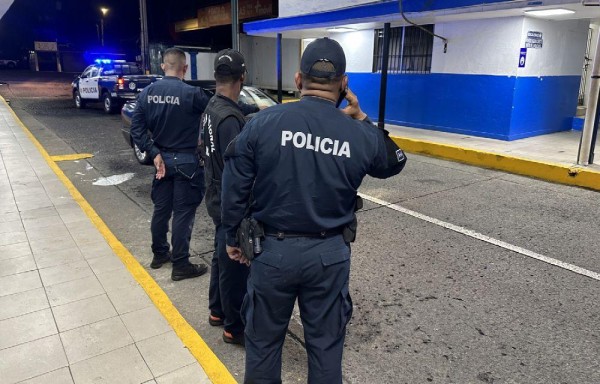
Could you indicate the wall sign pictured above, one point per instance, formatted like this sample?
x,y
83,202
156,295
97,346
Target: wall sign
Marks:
x,y
534,40
45,46
522,57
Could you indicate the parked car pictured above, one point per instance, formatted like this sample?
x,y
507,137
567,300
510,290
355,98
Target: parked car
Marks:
x,y
111,82
250,96
9,63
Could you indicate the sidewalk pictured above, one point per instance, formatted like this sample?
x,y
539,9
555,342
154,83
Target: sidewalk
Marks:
x,y
70,309
549,157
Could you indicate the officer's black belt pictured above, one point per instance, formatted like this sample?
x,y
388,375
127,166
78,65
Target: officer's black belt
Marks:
x,y
177,150
274,232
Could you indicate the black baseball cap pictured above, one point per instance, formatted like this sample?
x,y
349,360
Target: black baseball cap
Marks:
x,y
323,50
230,62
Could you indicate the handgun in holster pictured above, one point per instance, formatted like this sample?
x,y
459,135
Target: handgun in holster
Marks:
x,y
250,235
349,232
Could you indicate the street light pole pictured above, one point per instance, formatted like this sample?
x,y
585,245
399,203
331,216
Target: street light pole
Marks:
x,y
144,36
104,12
235,25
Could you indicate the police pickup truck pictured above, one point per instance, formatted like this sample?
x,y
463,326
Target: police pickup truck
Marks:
x,y
111,82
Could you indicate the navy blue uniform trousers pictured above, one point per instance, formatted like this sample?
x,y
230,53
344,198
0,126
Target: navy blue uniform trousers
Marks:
x,y
316,272
178,194
227,285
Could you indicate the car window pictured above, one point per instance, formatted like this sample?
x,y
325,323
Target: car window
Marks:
x,y
87,72
134,69
245,98
94,72
261,99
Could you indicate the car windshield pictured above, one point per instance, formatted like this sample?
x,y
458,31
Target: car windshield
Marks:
x,y
255,96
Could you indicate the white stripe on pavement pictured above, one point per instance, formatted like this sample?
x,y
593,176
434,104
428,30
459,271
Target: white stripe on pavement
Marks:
x,y
487,239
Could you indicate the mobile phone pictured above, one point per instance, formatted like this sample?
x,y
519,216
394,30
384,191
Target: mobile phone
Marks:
x,y
342,97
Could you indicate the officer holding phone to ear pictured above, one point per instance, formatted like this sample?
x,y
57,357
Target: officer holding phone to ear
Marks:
x,y
303,163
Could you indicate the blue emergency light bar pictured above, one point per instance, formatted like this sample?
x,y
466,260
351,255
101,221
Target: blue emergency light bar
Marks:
x,y
108,61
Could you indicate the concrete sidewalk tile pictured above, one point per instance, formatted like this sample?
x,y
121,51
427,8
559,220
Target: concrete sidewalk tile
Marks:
x,y
39,213
130,299
75,290
12,226
65,272
97,249
105,264
145,323
18,265
83,312
9,216
191,374
150,382
22,303
58,233
34,204
19,283
15,250
12,238
63,256
165,353
86,235
43,246
32,359
26,328
123,366
60,376
33,191
117,280
95,339
42,222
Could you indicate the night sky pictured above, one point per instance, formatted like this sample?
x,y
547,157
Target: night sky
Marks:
x,y
74,24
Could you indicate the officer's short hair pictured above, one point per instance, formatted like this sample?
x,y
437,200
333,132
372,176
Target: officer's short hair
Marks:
x,y
322,67
227,79
174,57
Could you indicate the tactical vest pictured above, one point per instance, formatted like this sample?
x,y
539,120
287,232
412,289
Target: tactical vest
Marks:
x,y
218,109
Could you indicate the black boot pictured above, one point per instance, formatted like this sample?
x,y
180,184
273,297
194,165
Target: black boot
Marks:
x,y
159,260
188,271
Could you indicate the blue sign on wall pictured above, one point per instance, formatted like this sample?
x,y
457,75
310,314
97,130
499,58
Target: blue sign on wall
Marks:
x,y
522,57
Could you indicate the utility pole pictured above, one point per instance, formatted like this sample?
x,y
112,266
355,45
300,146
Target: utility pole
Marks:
x,y
104,12
144,37
235,26
590,128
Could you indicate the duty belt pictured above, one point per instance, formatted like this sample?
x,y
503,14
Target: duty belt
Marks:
x,y
274,232
177,150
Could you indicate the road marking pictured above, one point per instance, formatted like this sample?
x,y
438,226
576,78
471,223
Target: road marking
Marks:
x,y
114,180
487,239
75,156
213,367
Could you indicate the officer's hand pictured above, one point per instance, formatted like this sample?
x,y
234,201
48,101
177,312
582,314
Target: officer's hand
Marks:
x,y
235,254
160,167
353,108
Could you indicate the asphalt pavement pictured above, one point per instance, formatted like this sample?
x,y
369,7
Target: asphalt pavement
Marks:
x,y
432,303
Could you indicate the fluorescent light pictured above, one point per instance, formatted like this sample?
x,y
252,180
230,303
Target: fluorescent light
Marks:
x,y
341,29
550,12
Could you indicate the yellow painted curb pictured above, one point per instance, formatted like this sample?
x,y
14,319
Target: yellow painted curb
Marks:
x,y
75,156
558,173
214,368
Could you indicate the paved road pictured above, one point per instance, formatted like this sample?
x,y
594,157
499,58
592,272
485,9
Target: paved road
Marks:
x,y
431,304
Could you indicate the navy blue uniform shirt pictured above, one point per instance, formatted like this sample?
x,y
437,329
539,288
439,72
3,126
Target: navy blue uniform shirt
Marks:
x,y
304,162
171,111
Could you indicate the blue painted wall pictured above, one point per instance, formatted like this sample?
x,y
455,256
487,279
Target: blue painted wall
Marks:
x,y
499,107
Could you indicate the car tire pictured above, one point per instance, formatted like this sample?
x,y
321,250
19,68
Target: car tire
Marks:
x,y
141,156
79,102
108,103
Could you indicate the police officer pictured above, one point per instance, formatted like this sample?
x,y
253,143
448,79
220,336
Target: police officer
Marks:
x,y
223,120
171,110
303,163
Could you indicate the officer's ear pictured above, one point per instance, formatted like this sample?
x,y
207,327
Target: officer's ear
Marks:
x,y
298,80
344,82
162,66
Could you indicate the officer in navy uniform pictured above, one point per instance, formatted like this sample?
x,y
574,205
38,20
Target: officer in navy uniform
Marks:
x,y
222,121
171,111
303,163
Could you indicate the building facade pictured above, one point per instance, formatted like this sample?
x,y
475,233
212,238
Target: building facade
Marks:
x,y
502,72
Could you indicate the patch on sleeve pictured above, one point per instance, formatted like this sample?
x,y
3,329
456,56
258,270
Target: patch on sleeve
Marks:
x,y
400,155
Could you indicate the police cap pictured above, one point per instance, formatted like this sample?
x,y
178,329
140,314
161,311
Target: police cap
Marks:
x,y
230,62
323,50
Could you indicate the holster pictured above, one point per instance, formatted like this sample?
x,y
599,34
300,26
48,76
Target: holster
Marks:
x,y
250,234
349,232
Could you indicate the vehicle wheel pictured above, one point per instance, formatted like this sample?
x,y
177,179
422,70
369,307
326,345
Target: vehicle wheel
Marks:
x,y
141,156
79,103
108,103
11,66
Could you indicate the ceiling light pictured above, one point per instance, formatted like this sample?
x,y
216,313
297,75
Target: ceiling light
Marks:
x,y
550,12
341,29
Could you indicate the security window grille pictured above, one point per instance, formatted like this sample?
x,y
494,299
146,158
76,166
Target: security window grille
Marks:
x,y
411,50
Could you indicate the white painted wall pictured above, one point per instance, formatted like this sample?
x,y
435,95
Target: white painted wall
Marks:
x,y
563,49
260,55
204,65
302,7
358,47
476,47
